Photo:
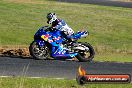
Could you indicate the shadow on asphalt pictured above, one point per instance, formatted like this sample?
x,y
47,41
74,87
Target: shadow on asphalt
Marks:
x,y
30,57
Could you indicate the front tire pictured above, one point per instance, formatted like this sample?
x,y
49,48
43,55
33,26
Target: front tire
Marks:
x,y
82,57
38,53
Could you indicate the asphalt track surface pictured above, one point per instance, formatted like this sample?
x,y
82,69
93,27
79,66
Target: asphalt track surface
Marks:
x,y
58,69
101,2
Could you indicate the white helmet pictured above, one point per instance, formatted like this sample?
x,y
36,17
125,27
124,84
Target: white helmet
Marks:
x,y
51,18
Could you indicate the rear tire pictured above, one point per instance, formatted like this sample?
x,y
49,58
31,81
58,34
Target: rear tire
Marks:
x,y
38,53
81,57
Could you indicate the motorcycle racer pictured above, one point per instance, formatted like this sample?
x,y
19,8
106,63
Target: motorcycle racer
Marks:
x,y
61,25
66,32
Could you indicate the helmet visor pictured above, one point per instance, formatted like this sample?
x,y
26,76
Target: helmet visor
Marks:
x,y
49,17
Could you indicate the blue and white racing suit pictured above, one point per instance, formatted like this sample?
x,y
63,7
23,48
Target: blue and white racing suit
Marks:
x,y
62,26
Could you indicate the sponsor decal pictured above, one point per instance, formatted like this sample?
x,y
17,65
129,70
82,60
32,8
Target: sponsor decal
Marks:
x,y
45,37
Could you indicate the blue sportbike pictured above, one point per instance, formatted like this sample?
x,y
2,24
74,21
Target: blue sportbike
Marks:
x,y
50,43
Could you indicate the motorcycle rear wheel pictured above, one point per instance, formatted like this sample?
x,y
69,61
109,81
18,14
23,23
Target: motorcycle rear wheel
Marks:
x,y
86,55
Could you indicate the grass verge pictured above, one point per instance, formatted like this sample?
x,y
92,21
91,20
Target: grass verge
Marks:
x,y
23,82
114,57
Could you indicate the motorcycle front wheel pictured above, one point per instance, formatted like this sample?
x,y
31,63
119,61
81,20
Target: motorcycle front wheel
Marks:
x,y
37,52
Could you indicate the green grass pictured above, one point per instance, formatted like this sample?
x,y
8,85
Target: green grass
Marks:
x,y
109,26
22,82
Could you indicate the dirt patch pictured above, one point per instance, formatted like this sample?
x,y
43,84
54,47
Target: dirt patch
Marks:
x,y
23,51
17,51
